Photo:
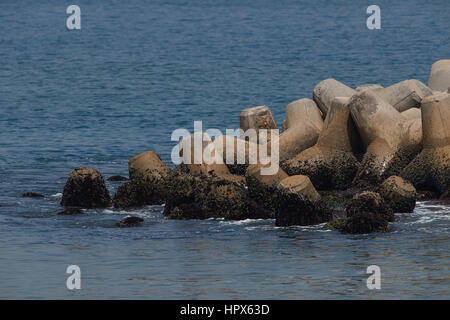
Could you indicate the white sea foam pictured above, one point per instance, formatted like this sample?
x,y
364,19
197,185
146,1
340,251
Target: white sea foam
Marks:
x,y
243,222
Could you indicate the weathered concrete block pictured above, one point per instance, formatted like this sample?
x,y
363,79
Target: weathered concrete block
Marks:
x,y
330,163
391,140
257,118
440,75
300,184
327,90
199,157
430,170
296,200
373,87
303,110
147,165
405,95
411,114
399,194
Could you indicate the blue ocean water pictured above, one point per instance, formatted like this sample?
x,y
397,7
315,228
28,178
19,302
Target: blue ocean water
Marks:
x,y
136,71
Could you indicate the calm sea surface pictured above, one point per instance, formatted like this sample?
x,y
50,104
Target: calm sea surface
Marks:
x,y
136,71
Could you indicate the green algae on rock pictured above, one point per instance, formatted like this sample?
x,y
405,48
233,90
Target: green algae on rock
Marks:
x,y
85,188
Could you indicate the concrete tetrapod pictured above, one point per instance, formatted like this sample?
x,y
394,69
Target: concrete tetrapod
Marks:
x,y
325,92
391,140
300,110
405,95
304,124
440,75
330,163
430,170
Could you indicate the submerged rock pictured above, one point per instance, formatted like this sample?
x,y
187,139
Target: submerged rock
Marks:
x,y
367,213
140,192
399,194
445,196
32,195
336,224
130,222
85,188
330,163
295,199
117,178
203,197
70,212
262,188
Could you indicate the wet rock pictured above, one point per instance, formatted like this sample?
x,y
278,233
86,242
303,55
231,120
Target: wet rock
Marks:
x,y
130,222
334,203
32,195
204,197
426,195
367,213
140,192
117,178
262,188
147,165
391,140
337,224
371,202
405,95
300,184
430,170
85,188
445,196
327,90
70,212
330,163
295,199
399,194
232,202
365,222
440,75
